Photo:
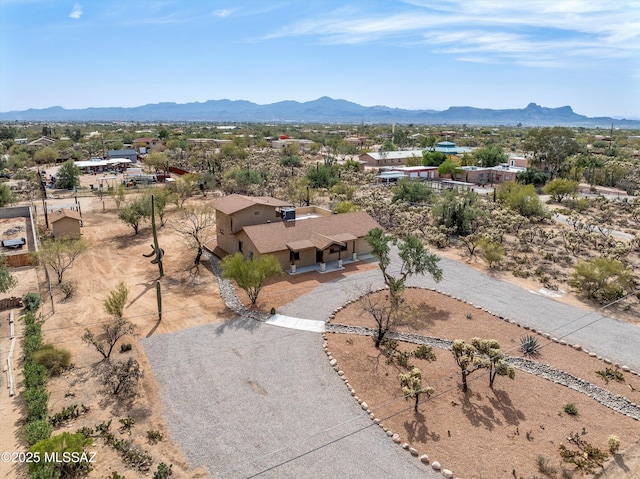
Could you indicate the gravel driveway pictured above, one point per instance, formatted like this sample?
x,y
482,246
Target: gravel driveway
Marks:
x,y
245,398
608,337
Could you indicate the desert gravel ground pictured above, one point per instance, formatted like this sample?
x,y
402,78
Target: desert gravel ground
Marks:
x,y
245,398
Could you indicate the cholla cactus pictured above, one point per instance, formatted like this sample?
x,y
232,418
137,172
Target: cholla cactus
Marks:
x,y
411,384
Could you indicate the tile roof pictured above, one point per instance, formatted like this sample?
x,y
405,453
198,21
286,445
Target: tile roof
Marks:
x,y
313,232
233,203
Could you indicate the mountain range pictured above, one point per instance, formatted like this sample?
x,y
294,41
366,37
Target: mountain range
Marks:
x,y
322,110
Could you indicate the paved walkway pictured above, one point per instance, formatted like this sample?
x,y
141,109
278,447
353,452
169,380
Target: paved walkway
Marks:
x,y
608,337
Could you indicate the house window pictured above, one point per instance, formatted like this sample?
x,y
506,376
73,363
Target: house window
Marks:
x,y
256,213
506,177
335,249
240,246
250,255
295,255
221,231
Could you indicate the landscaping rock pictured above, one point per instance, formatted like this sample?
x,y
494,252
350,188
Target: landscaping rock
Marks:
x,y
436,466
413,451
424,459
447,473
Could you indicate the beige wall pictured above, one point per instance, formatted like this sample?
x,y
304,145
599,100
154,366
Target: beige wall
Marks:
x,y
66,227
229,225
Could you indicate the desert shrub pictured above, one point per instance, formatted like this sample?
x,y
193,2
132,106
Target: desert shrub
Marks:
x,y
602,279
60,444
31,301
611,375
68,288
121,378
424,352
127,424
586,458
125,347
53,359
68,413
571,409
163,471
614,444
492,252
154,436
38,430
544,467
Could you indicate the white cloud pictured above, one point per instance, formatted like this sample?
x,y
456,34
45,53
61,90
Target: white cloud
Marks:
x,y
222,13
76,13
536,32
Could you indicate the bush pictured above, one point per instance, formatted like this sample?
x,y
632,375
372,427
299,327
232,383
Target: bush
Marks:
x,y
571,409
68,288
53,359
602,279
424,352
31,301
38,430
61,443
530,346
163,471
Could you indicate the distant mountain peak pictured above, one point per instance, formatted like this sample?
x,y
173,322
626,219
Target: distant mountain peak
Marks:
x,y
323,110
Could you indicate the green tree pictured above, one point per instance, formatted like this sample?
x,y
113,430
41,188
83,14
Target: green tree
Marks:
x,y
60,254
46,155
415,260
521,199
323,176
411,191
492,251
460,213
250,275
157,160
560,188
411,384
6,195
551,147
433,158
134,212
532,176
449,167
602,279
7,281
489,156
68,176
345,207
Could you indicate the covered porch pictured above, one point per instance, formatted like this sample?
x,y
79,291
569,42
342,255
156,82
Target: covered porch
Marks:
x,y
322,253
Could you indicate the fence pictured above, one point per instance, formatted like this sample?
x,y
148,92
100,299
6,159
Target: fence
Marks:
x,y
10,303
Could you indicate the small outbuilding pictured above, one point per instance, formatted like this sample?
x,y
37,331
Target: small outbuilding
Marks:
x,y
65,223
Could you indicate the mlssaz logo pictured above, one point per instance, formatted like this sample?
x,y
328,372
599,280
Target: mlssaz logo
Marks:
x,y
69,457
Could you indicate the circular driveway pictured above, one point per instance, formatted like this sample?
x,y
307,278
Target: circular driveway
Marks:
x,y
244,398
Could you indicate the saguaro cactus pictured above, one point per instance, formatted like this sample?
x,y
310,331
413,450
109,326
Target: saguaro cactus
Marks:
x,y
159,297
157,253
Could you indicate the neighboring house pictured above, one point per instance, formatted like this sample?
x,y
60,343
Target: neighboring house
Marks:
x,y
393,174
519,161
305,145
129,154
295,236
65,223
450,148
390,158
42,141
145,145
474,174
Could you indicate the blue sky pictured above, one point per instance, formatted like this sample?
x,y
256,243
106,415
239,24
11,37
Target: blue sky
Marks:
x,y
416,54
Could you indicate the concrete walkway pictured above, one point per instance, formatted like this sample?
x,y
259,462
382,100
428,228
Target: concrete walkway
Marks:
x,y
296,323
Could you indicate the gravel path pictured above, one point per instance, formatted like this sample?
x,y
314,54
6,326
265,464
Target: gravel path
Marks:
x,y
608,337
244,397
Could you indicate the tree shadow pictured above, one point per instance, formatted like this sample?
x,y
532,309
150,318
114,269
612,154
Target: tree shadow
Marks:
x,y
502,402
429,314
417,430
248,324
478,415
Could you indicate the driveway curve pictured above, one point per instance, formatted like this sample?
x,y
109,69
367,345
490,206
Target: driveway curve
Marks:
x,y
246,399
596,332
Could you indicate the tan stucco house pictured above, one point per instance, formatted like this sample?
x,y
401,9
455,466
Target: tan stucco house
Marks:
x,y
297,237
65,223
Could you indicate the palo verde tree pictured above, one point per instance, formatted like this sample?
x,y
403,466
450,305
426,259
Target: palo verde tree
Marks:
x,y
415,260
7,280
411,384
6,195
59,254
196,224
551,147
561,188
602,279
134,212
251,274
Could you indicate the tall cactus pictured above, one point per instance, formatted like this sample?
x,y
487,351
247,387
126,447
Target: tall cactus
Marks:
x,y
159,297
157,253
